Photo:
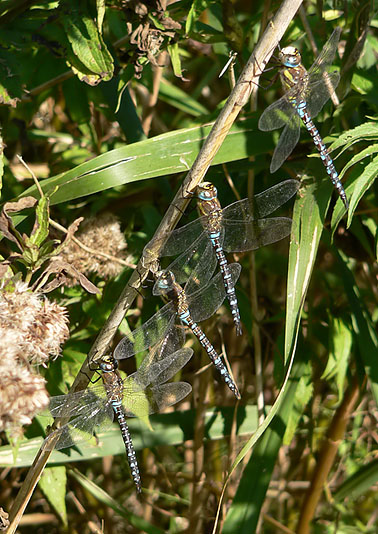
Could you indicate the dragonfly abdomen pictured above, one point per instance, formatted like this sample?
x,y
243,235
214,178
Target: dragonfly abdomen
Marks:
x,y
130,451
324,154
187,320
227,280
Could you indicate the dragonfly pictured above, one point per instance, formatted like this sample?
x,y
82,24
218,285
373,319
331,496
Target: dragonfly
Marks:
x,y
142,393
198,300
236,228
306,92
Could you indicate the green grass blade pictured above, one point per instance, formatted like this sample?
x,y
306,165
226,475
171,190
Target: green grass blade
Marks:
x,y
162,155
168,429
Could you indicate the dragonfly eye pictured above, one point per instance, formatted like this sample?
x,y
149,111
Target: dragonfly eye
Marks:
x,y
207,191
290,56
165,281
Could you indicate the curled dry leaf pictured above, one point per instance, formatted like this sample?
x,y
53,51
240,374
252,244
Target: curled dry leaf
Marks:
x,y
22,204
61,269
6,225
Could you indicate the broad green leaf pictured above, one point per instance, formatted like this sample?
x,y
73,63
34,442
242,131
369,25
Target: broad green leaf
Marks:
x,y
100,4
340,350
303,395
159,156
41,225
53,484
364,182
364,132
359,483
176,97
169,429
174,54
195,10
89,57
366,153
308,217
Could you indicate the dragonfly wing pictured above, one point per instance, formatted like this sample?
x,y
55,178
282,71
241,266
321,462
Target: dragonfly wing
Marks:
x,y
326,57
181,238
277,114
251,235
75,403
147,335
320,92
260,205
205,302
154,399
195,263
158,372
81,428
289,138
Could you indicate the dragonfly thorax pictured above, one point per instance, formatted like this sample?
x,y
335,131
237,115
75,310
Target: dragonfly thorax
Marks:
x,y
207,191
290,57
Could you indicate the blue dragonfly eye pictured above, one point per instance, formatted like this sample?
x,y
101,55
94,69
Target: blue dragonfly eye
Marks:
x,y
108,365
206,191
165,281
290,56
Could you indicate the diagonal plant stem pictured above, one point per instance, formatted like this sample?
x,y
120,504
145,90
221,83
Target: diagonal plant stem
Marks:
x,y
237,99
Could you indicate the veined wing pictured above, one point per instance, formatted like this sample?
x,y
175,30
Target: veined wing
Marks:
x,y
181,238
251,235
278,114
325,58
78,403
196,264
205,302
286,143
158,372
82,427
147,335
320,93
154,399
262,204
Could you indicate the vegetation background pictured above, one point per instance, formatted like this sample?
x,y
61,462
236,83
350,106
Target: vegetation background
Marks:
x,y
109,104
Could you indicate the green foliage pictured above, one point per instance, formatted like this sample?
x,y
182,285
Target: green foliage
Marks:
x,y
110,104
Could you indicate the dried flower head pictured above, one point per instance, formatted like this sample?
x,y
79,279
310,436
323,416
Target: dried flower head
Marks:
x,y
102,234
33,326
22,395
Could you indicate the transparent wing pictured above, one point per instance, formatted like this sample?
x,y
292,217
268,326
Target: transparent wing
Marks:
x,y
81,428
325,58
205,302
251,235
78,403
147,335
286,143
181,238
277,114
196,265
158,372
320,93
262,204
154,399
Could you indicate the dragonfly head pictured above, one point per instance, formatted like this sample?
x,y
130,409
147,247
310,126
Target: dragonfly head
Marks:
x,y
108,364
165,281
290,56
207,191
